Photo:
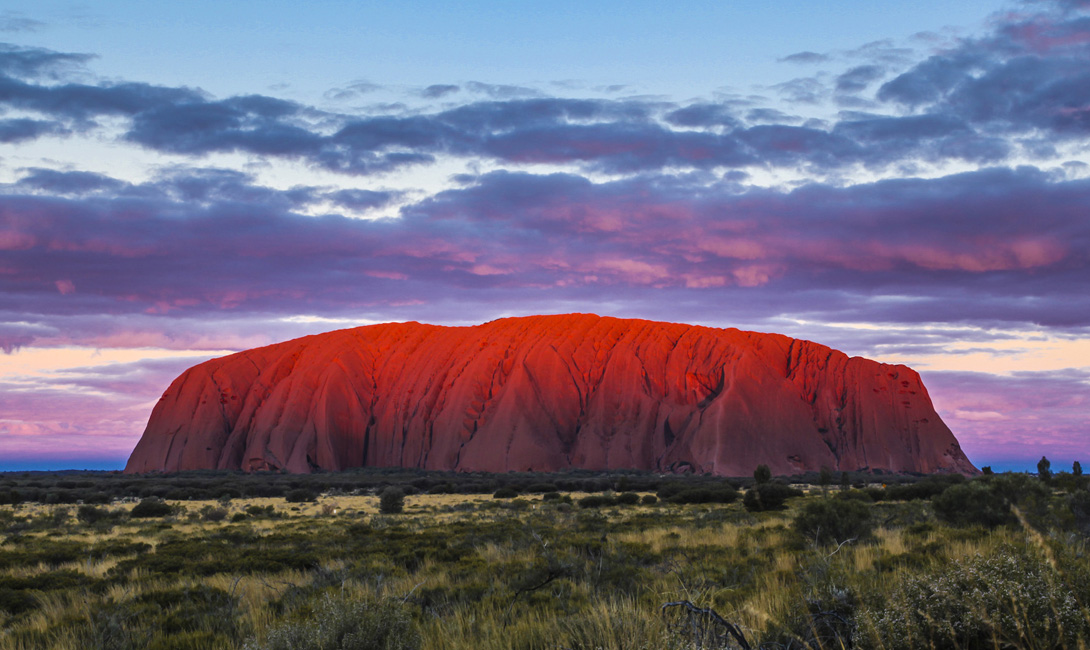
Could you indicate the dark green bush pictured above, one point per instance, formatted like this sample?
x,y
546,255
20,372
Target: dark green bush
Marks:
x,y
649,499
151,507
925,489
88,514
719,492
627,499
768,496
391,501
596,501
973,503
301,495
213,513
505,492
834,520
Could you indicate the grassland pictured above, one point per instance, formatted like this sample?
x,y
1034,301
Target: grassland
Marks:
x,y
834,568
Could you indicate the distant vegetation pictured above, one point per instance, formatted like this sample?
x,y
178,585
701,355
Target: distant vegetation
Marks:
x,y
406,559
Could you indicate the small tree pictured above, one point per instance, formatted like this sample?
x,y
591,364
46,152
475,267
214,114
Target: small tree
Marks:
x,y
845,481
1076,468
391,501
762,474
825,478
986,470
1044,469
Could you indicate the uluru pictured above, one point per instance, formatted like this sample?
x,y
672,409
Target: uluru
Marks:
x,y
545,393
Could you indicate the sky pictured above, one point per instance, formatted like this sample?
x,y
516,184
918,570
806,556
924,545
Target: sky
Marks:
x,y
904,181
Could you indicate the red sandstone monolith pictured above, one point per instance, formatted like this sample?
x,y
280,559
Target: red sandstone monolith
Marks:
x,y
545,393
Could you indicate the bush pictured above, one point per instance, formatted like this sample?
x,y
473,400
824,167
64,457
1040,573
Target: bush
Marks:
x,y
649,499
972,503
762,474
596,501
1011,599
768,496
391,501
212,513
987,502
301,495
925,489
715,493
88,514
628,499
151,507
345,625
505,492
834,520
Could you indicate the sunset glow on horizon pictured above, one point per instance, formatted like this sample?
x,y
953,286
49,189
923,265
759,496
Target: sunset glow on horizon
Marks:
x,y
912,189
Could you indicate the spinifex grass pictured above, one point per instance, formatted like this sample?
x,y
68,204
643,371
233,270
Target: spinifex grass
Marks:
x,y
471,571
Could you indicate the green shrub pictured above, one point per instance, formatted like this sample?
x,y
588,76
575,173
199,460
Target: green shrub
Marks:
x,y
834,520
88,514
151,507
213,513
596,501
762,474
344,625
301,495
391,501
768,496
628,499
505,492
649,499
973,503
1011,599
714,493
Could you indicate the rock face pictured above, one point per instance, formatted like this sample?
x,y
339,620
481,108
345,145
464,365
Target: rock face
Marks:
x,y
545,393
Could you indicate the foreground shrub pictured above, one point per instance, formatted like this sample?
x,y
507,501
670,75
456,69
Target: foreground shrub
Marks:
x,y
151,507
391,501
834,520
972,503
505,492
988,502
1011,599
345,625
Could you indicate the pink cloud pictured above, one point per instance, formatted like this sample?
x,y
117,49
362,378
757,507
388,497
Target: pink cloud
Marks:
x,y
65,287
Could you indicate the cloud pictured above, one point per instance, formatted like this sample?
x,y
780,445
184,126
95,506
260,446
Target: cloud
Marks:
x,y
38,63
858,78
806,58
435,91
22,129
13,22
1014,420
